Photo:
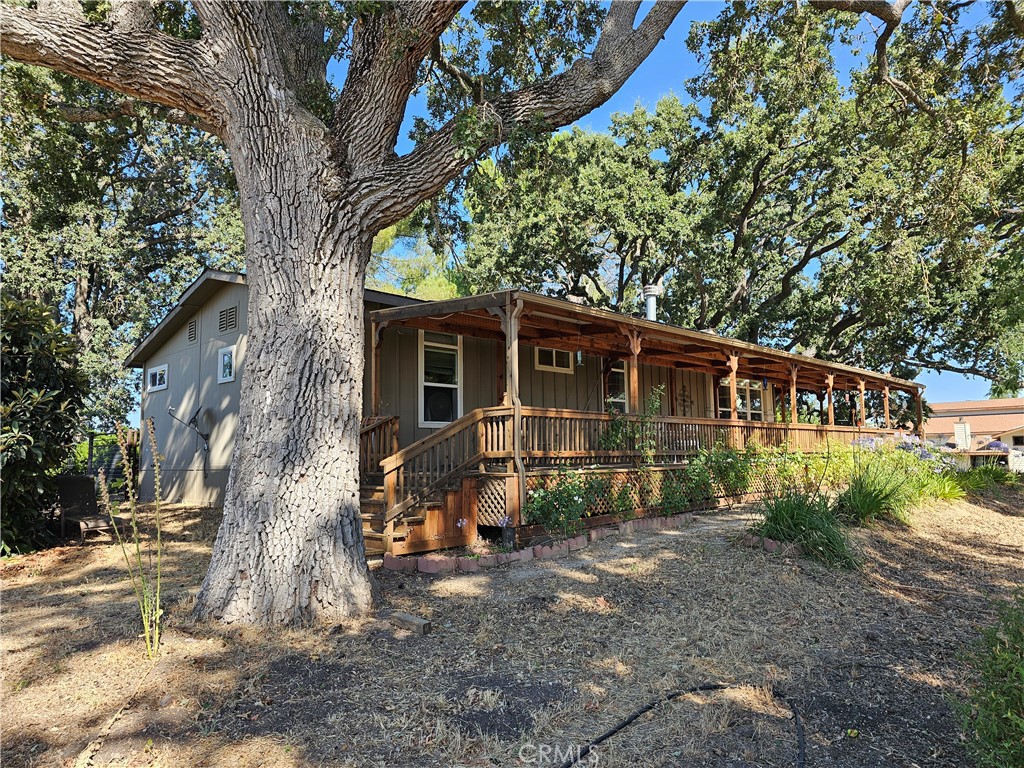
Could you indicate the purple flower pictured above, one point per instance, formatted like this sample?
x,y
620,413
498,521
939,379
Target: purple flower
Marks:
x,y
460,523
505,521
998,445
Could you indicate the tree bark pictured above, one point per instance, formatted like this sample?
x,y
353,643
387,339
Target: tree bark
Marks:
x,y
290,547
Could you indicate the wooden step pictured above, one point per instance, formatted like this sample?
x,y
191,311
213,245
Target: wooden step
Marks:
x,y
371,492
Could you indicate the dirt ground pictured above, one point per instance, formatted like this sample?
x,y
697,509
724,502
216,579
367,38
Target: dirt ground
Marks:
x,y
527,662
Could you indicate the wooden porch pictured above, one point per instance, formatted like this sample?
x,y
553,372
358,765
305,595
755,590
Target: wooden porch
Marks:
x,y
434,492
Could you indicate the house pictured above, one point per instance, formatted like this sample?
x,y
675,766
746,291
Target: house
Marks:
x,y
969,427
507,388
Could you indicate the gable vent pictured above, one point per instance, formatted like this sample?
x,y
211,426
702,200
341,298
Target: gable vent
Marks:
x,y
193,331
227,320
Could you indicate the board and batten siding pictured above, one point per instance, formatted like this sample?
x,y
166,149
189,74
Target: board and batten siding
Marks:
x,y
191,384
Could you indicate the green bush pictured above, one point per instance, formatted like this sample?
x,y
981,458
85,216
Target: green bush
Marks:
x,y
684,488
993,714
986,476
807,520
878,491
561,502
731,470
942,485
42,393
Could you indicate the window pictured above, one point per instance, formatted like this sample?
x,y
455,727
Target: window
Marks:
x,y
749,400
1018,441
225,365
615,394
440,378
227,319
156,378
557,360
193,331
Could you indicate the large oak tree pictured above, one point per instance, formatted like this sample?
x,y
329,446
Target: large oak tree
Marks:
x,y
318,176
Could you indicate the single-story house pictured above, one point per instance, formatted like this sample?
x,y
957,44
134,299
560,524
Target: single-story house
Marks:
x,y
976,430
469,402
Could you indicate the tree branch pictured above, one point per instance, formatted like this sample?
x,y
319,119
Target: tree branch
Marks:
x,y
557,101
129,108
151,65
381,74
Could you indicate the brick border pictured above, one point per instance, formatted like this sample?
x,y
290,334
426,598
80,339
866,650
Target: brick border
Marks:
x,y
440,564
769,545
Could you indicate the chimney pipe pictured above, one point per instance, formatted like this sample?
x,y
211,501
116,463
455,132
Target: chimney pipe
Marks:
x,y
651,294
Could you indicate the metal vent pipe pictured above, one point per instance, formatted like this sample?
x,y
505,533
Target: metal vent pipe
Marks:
x,y
651,294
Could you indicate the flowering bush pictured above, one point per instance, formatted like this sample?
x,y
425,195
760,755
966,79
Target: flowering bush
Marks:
x,y
562,501
998,445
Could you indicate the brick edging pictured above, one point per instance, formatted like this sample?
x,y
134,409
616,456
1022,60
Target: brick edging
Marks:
x,y
434,564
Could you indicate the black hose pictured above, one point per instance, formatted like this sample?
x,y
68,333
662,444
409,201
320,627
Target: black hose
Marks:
x,y
800,742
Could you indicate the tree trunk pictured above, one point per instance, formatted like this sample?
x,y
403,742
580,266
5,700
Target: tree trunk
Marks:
x,y
290,547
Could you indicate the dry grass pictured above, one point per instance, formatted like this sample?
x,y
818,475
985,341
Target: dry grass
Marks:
x,y
544,653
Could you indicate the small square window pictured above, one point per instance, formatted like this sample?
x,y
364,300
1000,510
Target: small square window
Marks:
x,y
557,360
1018,441
156,378
225,365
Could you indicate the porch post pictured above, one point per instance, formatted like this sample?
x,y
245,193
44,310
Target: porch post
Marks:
x,y
829,382
885,406
510,323
792,393
734,365
919,408
861,420
634,336
376,339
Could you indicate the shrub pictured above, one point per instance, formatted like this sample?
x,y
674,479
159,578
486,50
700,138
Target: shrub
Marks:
x,y
684,488
561,502
993,714
879,490
942,485
730,469
807,520
42,393
984,477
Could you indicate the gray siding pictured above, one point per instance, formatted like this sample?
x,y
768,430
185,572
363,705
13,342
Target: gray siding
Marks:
x,y
191,384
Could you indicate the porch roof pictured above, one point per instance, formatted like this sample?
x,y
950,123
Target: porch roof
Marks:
x,y
559,324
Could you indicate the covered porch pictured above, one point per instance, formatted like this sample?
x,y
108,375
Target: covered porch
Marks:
x,y
492,451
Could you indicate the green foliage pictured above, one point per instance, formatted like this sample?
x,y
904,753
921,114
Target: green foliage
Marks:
x,y
944,486
806,520
39,414
979,479
144,569
730,470
878,490
562,501
894,232
108,221
635,432
102,445
993,714
686,488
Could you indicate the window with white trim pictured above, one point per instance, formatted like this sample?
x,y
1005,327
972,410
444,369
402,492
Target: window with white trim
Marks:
x,y
156,378
615,388
749,400
226,364
557,360
440,380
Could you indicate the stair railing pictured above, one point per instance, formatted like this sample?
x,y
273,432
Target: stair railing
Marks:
x,y
414,473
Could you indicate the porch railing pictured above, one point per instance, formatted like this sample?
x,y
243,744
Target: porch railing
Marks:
x,y
550,437
378,439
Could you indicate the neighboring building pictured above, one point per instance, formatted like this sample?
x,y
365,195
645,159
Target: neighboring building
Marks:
x,y
469,402
985,421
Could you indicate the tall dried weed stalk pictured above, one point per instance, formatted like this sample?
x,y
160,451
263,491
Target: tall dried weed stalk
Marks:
x,y
143,567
